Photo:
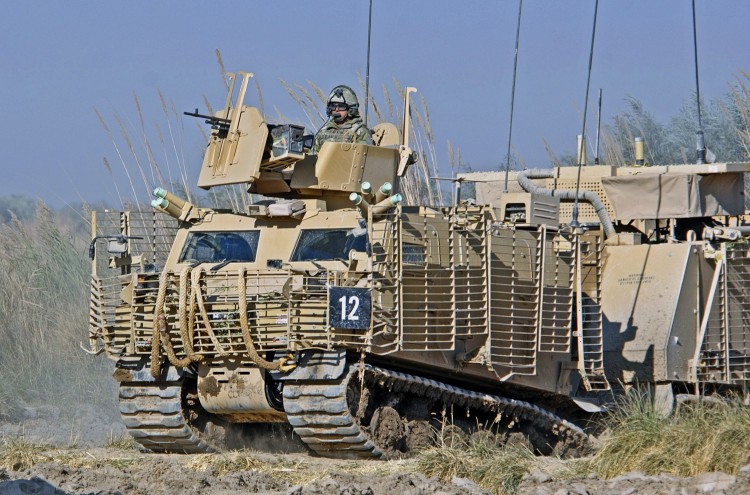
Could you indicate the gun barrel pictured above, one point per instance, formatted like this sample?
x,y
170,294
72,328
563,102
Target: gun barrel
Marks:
x,y
210,119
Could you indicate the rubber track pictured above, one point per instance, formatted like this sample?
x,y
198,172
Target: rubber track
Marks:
x,y
321,417
153,415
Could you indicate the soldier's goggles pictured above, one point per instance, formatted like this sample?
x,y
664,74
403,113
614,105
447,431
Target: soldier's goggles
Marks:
x,y
338,106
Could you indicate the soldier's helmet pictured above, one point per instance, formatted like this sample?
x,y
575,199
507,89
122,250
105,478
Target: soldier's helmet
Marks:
x,y
346,95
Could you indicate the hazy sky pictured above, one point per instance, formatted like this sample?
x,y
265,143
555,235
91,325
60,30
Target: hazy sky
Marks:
x,y
61,60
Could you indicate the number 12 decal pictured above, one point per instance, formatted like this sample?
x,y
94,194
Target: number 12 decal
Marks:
x,y
354,304
349,307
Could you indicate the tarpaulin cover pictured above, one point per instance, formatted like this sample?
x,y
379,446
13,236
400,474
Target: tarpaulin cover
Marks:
x,y
675,195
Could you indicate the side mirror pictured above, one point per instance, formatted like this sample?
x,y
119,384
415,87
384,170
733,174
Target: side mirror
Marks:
x,y
117,246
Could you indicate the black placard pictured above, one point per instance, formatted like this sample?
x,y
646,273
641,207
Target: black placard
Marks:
x,y
349,307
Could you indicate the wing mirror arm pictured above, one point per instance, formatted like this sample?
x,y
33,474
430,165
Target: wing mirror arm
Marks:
x,y
117,244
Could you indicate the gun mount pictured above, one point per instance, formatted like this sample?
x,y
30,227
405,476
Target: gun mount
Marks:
x,y
274,159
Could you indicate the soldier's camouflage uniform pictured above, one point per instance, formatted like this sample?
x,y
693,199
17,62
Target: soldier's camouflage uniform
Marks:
x,y
351,131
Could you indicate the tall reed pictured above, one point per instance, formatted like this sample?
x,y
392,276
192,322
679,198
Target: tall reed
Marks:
x,y
43,318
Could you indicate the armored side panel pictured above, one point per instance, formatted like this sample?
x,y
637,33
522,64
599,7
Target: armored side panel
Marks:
x,y
344,166
234,155
489,186
651,307
386,135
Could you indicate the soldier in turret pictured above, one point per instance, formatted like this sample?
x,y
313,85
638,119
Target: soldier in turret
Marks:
x,y
344,122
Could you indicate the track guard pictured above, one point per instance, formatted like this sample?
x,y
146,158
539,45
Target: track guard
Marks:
x,y
139,370
317,365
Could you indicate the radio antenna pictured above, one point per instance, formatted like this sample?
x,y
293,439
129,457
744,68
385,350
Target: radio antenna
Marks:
x,y
598,127
574,222
513,95
367,71
699,138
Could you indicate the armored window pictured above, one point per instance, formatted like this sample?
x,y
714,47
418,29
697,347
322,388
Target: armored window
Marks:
x,y
329,244
412,254
215,247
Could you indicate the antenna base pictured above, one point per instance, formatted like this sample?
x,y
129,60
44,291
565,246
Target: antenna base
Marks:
x,y
574,221
700,148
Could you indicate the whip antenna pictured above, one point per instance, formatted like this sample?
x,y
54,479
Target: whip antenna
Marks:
x,y
581,154
367,71
598,127
513,94
699,138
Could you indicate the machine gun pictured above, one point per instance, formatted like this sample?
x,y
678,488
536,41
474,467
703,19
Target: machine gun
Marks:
x,y
215,122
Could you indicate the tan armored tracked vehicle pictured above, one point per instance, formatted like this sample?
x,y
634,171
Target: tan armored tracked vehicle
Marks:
x,y
363,323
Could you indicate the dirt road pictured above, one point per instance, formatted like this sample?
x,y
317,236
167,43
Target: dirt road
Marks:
x,y
116,471
91,455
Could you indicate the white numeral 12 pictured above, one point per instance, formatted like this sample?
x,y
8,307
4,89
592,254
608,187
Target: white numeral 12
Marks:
x,y
352,316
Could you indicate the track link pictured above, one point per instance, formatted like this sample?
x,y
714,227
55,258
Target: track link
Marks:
x,y
154,416
322,415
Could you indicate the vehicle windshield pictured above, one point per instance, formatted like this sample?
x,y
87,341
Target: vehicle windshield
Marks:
x,y
215,247
329,244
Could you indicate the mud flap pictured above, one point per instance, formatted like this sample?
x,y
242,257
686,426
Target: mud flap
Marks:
x,y
317,365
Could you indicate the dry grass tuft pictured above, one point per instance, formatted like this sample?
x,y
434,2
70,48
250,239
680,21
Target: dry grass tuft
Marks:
x,y
306,472
122,442
226,462
302,471
222,69
497,469
698,437
84,459
571,469
18,454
